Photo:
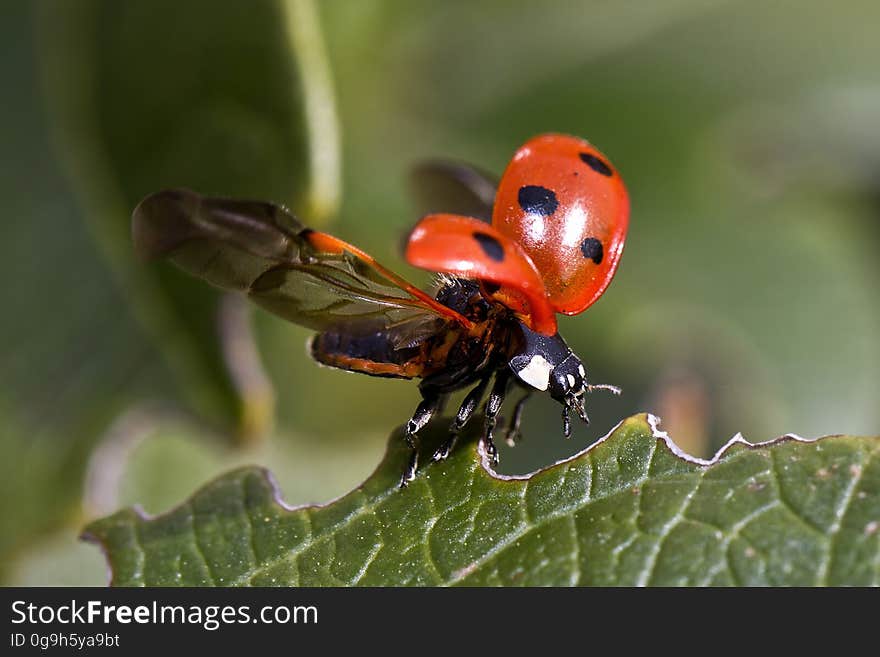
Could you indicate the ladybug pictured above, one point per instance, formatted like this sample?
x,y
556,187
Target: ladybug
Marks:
x,y
546,239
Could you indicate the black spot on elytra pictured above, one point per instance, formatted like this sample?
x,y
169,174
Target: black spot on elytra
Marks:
x,y
597,164
592,249
535,199
491,247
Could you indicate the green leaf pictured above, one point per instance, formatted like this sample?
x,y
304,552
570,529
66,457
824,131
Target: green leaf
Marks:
x,y
630,510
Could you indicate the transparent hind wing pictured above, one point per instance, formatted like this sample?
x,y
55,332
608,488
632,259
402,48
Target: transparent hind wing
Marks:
x,y
453,187
262,250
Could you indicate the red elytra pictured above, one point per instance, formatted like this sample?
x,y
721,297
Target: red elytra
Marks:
x,y
561,211
567,207
471,248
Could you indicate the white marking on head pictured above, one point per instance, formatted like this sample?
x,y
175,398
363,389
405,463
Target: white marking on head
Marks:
x,y
536,373
582,371
571,380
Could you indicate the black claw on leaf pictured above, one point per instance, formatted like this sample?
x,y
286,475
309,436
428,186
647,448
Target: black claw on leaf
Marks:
x,y
409,472
491,450
442,452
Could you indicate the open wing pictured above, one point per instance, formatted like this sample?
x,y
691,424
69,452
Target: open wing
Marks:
x,y
453,187
310,278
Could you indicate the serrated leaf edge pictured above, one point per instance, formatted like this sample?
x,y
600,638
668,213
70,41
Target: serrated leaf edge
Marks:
x,y
654,423
652,420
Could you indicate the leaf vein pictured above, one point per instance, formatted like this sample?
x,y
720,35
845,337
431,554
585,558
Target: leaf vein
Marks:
x,y
645,575
142,553
732,533
521,531
427,546
575,553
783,498
197,544
834,529
250,524
371,557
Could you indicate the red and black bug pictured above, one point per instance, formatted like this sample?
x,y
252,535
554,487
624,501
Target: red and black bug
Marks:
x,y
548,240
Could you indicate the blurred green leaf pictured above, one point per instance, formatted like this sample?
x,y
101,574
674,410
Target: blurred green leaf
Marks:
x,y
631,510
156,469
58,560
152,460
71,355
211,100
120,107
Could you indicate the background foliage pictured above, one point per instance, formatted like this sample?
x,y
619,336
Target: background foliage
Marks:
x,y
747,299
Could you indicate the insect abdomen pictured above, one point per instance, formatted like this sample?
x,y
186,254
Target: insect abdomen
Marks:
x,y
370,354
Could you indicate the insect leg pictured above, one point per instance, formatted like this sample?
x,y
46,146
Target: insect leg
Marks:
x,y
465,411
566,420
512,436
431,404
493,405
